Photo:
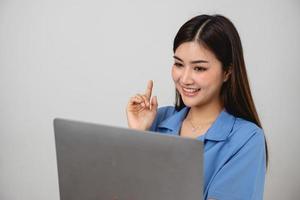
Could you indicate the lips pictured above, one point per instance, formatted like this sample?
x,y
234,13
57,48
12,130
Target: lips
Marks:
x,y
190,92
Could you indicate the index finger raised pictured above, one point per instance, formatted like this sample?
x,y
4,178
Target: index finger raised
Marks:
x,y
149,89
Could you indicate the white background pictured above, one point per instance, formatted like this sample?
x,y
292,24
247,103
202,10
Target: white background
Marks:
x,y
84,59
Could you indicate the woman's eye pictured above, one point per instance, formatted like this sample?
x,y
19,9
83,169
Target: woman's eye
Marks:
x,y
178,64
200,69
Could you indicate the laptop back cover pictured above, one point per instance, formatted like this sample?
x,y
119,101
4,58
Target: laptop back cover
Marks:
x,y
100,162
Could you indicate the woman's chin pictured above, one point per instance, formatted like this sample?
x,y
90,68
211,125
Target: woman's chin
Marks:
x,y
191,103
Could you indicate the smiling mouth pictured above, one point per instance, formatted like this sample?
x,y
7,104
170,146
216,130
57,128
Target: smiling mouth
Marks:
x,y
190,91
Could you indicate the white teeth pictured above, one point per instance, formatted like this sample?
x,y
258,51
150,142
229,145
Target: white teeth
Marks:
x,y
190,89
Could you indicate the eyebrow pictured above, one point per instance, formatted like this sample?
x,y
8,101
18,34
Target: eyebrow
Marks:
x,y
192,62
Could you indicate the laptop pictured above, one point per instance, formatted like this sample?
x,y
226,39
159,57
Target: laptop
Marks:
x,y
102,162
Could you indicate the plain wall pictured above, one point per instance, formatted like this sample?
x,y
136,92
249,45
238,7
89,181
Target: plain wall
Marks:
x,y
84,59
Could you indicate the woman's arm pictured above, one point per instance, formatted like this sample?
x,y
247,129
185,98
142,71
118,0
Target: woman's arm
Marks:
x,y
243,176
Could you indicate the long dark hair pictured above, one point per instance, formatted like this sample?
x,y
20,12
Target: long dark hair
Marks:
x,y
218,34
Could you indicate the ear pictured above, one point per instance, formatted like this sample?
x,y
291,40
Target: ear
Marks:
x,y
227,74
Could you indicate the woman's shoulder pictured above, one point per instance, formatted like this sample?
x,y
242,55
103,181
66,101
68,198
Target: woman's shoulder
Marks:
x,y
246,126
163,113
244,131
166,110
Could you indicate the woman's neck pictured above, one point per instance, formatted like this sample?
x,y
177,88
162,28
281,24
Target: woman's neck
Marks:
x,y
206,113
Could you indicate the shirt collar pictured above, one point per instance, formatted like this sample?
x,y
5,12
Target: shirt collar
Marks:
x,y
173,123
218,131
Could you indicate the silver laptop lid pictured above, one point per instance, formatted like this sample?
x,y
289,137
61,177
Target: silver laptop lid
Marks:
x,y
101,162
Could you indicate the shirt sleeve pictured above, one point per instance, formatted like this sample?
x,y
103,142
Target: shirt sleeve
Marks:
x,y
243,176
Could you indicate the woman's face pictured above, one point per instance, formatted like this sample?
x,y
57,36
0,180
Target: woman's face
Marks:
x,y
197,74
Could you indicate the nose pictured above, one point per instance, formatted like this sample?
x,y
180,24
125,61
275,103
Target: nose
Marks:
x,y
186,77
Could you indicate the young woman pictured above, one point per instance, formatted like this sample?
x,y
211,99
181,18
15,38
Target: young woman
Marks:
x,y
213,104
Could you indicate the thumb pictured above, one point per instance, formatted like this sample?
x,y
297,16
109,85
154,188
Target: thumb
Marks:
x,y
154,103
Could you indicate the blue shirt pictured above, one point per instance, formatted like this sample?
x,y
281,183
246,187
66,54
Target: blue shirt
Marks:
x,y
234,154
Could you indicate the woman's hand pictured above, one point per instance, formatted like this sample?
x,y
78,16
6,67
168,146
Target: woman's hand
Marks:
x,y
141,111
